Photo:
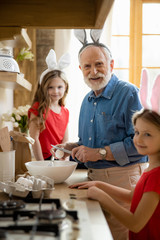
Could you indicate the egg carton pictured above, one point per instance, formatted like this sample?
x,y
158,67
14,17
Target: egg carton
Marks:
x,y
23,186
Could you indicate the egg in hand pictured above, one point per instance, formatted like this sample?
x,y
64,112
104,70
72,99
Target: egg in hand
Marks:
x,y
59,154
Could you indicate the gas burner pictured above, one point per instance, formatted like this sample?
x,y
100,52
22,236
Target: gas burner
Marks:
x,y
37,219
49,227
11,205
51,214
3,234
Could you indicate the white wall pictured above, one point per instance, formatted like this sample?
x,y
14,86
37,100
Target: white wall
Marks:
x,y
65,41
6,104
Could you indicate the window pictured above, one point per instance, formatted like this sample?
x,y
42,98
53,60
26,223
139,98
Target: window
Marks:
x,y
120,38
135,38
151,38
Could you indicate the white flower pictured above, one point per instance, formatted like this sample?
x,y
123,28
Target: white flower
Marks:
x,y
12,119
23,110
18,117
14,111
25,53
15,124
6,117
28,106
3,118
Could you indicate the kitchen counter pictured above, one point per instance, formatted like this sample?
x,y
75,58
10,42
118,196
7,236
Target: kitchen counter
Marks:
x,y
90,209
98,222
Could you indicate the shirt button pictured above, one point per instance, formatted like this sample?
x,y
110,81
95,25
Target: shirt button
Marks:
x,y
95,103
91,120
90,138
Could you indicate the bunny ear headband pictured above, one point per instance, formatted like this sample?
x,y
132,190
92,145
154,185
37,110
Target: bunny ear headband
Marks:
x,y
154,101
95,34
52,64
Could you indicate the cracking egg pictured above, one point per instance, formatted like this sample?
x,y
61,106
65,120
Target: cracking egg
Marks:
x,y
59,154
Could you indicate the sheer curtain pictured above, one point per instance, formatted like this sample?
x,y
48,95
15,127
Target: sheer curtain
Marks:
x,y
65,41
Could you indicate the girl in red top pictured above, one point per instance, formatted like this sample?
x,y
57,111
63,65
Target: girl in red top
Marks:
x,y
48,116
143,219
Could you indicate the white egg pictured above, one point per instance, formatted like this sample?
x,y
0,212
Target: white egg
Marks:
x,y
25,182
30,183
31,178
20,180
44,184
59,154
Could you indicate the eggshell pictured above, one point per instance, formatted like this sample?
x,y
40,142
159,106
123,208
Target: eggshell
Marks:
x,y
59,154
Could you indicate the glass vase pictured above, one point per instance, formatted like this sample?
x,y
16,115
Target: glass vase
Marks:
x,y
24,130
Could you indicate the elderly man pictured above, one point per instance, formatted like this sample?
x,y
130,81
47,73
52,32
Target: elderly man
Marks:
x,y
106,133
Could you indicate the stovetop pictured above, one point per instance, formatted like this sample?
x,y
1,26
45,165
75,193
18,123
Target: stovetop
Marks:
x,y
36,219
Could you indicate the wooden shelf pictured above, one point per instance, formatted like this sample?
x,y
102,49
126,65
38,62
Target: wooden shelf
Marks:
x,y
14,81
54,14
14,37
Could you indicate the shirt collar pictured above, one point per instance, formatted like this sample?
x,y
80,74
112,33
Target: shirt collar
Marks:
x,y
108,91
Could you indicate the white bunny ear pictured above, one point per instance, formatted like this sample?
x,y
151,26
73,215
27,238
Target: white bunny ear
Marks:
x,y
144,88
64,61
95,34
51,59
80,34
155,97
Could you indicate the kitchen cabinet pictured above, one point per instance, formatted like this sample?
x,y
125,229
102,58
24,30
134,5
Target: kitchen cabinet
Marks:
x,y
14,80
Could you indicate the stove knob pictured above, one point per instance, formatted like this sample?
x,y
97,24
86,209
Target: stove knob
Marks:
x,y
3,234
11,203
4,204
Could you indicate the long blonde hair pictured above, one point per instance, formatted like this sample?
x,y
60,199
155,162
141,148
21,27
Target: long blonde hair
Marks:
x,y
41,96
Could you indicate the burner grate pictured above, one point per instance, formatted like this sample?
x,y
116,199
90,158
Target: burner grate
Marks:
x,y
34,216
55,201
11,205
49,227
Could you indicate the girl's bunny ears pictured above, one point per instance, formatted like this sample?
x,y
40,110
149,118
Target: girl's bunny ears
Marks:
x,y
95,34
52,64
154,102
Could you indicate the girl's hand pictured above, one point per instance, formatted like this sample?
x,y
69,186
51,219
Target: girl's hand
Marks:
x,y
94,193
84,185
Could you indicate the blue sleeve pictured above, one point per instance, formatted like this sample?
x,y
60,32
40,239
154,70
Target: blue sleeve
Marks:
x,y
124,151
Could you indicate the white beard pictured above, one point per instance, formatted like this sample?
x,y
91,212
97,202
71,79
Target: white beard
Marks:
x,y
98,85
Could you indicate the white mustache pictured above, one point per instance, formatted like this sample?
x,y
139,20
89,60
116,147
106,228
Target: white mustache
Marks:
x,y
96,85
96,76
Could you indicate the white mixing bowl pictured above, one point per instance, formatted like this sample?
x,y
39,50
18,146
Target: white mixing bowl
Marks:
x,y
59,172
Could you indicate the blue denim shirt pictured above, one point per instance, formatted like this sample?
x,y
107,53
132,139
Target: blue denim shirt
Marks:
x,y
106,120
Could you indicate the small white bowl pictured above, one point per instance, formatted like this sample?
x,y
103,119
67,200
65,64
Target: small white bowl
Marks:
x,y
59,172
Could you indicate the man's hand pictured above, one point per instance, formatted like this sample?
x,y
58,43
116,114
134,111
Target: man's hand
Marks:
x,y
67,146
85,154
109,156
